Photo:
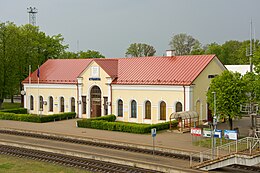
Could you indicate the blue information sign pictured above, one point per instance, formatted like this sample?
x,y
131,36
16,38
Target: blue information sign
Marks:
x,y
153,132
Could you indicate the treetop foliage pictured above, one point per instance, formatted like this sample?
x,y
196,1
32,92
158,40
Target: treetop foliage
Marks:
x,y
140,50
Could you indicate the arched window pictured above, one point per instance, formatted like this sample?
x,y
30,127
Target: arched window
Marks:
x,y
120,108
72,104
147,110
50,104
133,109
178,107
162,110
41,103
62,104
31,102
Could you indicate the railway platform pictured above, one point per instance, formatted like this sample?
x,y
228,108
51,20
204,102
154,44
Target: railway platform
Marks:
x,y
163,139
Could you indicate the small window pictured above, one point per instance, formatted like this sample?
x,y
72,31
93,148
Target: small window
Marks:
x,y
133,109
178,107
162,110
72,104
212,76
147,110
120,108
41,103
62,104
50,104
31,103
95,72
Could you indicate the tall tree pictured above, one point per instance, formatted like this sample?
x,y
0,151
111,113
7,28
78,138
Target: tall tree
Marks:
x,y
140,50
21,46
230,94
184,44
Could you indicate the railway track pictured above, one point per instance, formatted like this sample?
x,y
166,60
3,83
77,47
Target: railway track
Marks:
x,y
98,144
72,161
83,163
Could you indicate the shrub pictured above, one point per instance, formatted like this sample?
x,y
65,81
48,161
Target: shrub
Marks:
x,y
15,110
103,124
36,118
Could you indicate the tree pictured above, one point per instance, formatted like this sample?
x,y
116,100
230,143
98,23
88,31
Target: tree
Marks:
x,y
81,55
21,46
252,88
90,54
140,50
184,44
230,94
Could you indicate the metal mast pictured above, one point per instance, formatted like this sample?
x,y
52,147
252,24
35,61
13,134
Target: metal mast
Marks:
x,y
250,53
32,11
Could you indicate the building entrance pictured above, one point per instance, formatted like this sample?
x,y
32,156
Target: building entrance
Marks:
x,y
95,102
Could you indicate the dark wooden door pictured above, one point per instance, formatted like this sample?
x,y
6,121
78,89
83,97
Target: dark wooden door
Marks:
x,y
95,101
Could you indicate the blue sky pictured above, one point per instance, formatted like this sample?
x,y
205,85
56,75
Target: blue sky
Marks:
x,y
110,26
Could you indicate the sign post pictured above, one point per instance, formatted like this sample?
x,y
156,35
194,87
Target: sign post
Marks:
x,y
153,133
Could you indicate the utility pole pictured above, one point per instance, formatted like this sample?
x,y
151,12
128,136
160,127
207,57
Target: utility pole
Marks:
x,y
32,11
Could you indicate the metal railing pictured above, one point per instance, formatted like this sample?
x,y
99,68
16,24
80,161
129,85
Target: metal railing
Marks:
x,y
246,145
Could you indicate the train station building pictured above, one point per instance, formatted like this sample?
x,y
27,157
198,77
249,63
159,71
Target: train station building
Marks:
x,y
140,90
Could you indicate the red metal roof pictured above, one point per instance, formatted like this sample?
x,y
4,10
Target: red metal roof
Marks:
x,y
176,70
110,66
62,71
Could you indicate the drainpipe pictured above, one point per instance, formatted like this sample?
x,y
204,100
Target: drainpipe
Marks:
x,y
184,95
77,99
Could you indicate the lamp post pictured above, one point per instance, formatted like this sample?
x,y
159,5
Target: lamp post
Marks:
x,y
214,125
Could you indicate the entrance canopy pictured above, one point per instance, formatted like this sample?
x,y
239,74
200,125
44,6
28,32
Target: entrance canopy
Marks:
x,y
184,119
184,115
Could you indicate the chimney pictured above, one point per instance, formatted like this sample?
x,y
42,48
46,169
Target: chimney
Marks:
x,y
170,52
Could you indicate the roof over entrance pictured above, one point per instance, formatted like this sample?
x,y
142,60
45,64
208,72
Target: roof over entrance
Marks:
x,y
175,70
184,115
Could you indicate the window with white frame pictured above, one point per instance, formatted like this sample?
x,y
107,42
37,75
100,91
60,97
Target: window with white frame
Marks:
x,y
94,71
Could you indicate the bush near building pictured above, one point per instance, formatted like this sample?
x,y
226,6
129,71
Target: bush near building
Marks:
x,y
108,123
20,114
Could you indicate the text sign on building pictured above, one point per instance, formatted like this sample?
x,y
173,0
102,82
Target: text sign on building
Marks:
x,y
153,132
218,133
207,132
230,134
195,131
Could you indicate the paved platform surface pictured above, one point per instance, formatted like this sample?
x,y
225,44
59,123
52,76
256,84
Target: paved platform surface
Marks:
x,y
163,139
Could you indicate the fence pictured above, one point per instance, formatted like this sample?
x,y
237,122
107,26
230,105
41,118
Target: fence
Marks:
x,y
248,145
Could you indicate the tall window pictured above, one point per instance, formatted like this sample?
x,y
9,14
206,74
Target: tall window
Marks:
x,y
41,103
50,104
162,110
72,104
31,102
120,108
147,110
62,104
178,107
133,109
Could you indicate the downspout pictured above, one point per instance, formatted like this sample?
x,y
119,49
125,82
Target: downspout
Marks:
x,y
77,99
111,97
184,98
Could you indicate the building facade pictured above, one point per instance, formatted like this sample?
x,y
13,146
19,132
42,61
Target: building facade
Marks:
x,y
141,90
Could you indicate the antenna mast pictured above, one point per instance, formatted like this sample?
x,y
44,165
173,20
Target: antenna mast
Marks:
x,y
250,55
32,11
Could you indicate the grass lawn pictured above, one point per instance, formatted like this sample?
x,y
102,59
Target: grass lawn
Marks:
x,y
10,164
6,105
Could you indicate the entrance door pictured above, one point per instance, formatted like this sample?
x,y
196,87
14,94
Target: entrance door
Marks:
x,y
95,102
